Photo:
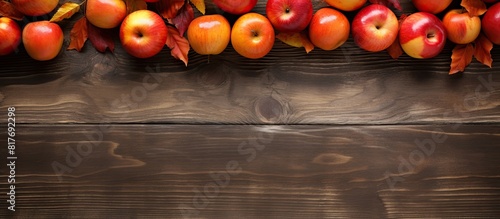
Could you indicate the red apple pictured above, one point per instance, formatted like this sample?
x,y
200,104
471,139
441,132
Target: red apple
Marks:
x,y
346,5
143,33
375,28
329,29
10,33
235,6
422,35
42,40
461,28
431,6
252,36
491,23
289,15
106,14
209,34
35,7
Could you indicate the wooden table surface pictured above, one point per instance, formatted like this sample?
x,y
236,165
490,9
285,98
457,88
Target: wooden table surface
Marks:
x,y
339,134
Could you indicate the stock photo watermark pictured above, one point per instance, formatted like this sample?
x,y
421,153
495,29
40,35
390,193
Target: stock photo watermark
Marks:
x,y
94,136
11,157
203,196
426,147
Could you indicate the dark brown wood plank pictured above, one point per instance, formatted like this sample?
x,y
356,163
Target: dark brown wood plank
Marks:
x,y
285,171
346,86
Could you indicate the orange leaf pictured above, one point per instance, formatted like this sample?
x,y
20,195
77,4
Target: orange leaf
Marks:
x,y
183,18
135,5
200,5
388,3
66,10
306,42
178,45
8,10
168,9
461,57
78,35
474,7
296,40
483,50
100,38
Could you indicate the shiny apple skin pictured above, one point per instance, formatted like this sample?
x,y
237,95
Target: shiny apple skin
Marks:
x,y
290,16
252,36
10,33
346,5
42,40
375,28
431,6
106,14
35,7
461,28
491,23
422,35
236,7
329,29
209,34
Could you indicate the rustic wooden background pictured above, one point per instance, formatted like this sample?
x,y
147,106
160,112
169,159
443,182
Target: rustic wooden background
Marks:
x,y
340,134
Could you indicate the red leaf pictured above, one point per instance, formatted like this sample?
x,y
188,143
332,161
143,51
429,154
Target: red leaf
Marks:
x,y
388,3
474,7
183,18
168,9
100,38
8,10
135,5
296,40
78,35
461,57
483,50
178,45
395,50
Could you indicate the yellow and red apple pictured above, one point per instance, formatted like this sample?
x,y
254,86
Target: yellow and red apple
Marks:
x,y
289,16
143,33
346,5
10,33
35,7
106,14
422,35
431,6
209,34
235,6
252,36
491,23
375,28
329,29
461,28
42,40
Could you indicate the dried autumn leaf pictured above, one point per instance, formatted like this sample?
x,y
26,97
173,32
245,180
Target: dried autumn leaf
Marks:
x,y
66,10
388,3
474,7
100,38
482,50
78,35
168,9
8,10
461,57
179,46
296,40
183,18
200,5
135,5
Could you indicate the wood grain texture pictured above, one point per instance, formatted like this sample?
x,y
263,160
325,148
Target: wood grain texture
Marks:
x,y
154,171
345,86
